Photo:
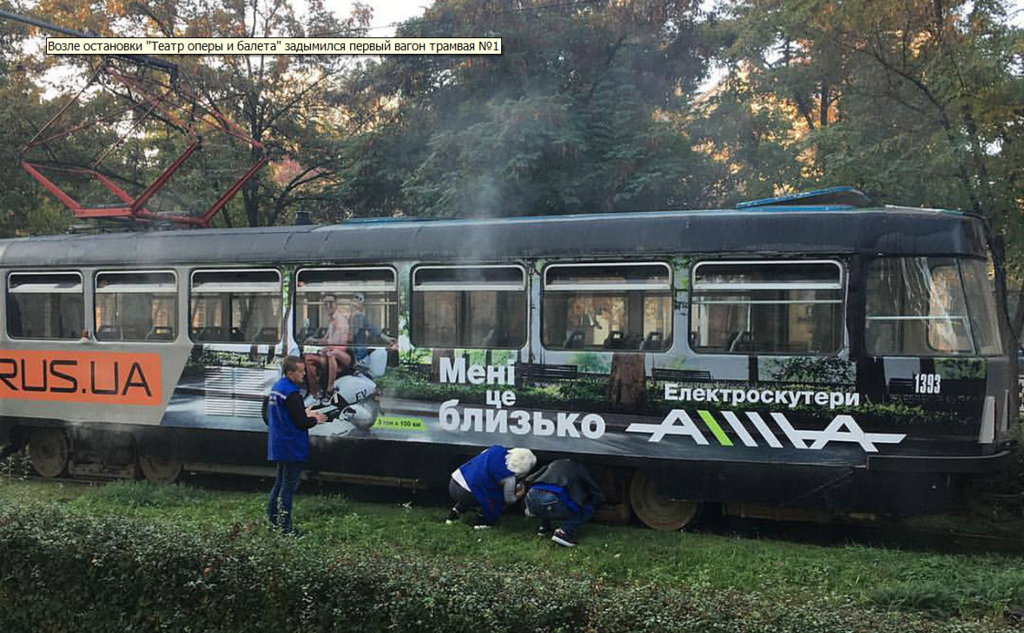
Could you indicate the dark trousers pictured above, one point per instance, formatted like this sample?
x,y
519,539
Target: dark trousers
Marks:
x,y
279,507
464,499
546,506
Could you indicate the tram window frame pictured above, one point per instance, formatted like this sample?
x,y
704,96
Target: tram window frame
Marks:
x,y
980,344
161,290
463,307
629,293
742,293
988,340
259,338
76,332
375,293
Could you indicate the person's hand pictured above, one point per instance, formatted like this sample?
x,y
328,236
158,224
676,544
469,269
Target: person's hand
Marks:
x,y
520,491
320,417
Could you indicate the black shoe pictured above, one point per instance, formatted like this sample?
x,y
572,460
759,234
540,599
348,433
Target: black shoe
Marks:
x,y
453,517
544,530
563,538
482,524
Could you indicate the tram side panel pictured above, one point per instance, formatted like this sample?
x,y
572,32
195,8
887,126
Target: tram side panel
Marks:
x,y
53,367
619,363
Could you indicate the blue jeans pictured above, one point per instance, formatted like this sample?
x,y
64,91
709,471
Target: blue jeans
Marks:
x,y
279,507
546,505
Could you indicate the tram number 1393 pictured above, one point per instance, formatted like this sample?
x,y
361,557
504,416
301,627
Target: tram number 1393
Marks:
x,y
927,383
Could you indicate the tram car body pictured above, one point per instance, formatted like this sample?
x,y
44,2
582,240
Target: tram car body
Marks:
x,y
810,352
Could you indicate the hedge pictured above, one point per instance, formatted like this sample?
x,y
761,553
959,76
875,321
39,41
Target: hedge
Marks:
x,y
60,571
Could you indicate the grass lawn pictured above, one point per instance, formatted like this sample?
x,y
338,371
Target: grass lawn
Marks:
x,y
979,590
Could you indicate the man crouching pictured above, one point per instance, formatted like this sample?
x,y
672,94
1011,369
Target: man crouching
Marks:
x,y
563,490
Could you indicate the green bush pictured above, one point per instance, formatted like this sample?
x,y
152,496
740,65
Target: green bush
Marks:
x,y
15,466
61,571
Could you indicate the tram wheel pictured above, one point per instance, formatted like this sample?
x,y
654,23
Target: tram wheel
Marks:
x,y
161,471
654,509
48,451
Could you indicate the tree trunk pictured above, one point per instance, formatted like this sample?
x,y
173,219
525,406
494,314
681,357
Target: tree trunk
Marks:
x,y
1018,315
251,196
435,362
826,89
627,384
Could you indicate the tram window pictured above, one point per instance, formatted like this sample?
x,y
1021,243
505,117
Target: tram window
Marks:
x,y
45,305
981,303
469,306
917,306
235,306
364,302
136,306
612,306
772,307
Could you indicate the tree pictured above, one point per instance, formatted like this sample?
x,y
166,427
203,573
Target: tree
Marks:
x,y
290,104
25,209
879,93
574,116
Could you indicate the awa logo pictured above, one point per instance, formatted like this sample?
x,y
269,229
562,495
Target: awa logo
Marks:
x,y
843,428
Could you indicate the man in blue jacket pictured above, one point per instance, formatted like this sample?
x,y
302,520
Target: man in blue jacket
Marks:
x,y
563,490
288,439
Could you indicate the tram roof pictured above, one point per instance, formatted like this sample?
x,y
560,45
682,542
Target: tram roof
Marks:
x,y
757,230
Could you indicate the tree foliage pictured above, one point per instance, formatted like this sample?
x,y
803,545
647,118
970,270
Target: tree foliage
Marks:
x,y
24,207
289,104
575,115
915,102
593,106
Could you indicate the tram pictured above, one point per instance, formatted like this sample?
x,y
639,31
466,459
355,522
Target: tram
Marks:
x,y
815,352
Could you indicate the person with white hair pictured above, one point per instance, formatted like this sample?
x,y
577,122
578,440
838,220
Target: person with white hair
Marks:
x,y
489,481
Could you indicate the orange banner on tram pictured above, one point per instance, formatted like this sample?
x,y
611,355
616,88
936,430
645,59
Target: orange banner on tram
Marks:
x,y
92,377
